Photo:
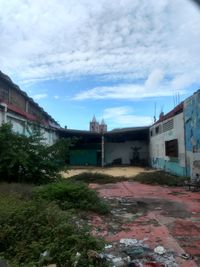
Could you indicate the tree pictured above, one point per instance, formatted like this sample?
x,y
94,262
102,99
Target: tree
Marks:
x,y
28,159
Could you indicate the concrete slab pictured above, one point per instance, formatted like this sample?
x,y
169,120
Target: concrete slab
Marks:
x,y
164,216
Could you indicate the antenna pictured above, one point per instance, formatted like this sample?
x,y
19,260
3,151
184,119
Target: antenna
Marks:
x,y
155,112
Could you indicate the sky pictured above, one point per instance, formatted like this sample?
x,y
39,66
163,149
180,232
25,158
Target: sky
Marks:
x,y
121,60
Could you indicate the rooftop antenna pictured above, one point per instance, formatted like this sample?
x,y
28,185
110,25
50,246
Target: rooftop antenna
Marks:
x,y
173,93
154,118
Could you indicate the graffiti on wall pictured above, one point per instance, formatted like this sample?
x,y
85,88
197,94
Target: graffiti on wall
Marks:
x,y
192,123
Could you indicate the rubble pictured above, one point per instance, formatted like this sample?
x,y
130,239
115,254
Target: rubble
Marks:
x,y
136,253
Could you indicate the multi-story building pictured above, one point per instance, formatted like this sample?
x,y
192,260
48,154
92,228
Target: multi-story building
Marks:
x,y
22,112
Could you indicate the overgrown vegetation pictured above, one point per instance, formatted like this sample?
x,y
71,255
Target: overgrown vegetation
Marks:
x,y
39,225
28,159
99,178
160,178
37,233
150,177
68,195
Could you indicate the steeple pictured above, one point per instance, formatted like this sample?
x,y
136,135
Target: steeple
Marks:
x,y
94,119
96,127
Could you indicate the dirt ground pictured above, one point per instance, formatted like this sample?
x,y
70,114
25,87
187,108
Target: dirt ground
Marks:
x,y
160,215
114,171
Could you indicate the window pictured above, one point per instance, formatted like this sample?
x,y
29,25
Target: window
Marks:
x,y
171,148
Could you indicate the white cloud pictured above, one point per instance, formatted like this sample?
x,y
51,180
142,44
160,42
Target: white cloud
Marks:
x,y
39,96
154,86
115,40
124,116
56,97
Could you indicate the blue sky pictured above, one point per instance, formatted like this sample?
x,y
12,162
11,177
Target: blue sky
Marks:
x,y
114,59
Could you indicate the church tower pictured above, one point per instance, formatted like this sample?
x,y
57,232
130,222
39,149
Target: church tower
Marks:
x,y
94,125
102,127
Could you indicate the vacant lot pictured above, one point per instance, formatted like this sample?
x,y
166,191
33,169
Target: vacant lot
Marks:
x,y
114,171
160,215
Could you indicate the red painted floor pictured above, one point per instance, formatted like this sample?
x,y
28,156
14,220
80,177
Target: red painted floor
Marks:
x,y
159,215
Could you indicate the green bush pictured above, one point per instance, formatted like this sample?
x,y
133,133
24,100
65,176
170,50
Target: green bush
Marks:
x,y
28,159
31,228
69,195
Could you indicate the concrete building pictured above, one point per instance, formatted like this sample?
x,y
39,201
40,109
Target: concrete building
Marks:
x,y
192,134
172,143
23,113
127,146
167,142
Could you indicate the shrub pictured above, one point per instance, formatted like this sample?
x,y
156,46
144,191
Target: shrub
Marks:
x,y
31,228
70,195
28,159
159,177
100,178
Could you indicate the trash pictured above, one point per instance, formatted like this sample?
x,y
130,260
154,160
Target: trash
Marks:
x,y
135,264
186,256
108,246
45,254
160,250
128,241
118,262
135,252
77,258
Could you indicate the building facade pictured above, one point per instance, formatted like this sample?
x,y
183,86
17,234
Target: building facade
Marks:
x,y
23,113
167,142
192,134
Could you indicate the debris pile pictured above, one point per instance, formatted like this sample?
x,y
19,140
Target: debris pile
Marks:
x,y
135,253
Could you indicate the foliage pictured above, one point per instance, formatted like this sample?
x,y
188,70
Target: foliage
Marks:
x,y
28,159
100,178
70,195
160,177
31,229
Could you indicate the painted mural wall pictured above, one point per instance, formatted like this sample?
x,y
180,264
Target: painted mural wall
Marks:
x,y
162,134
192,134
126,151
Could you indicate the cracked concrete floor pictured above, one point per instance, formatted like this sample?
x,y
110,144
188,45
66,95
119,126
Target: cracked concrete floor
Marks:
x,y
161,215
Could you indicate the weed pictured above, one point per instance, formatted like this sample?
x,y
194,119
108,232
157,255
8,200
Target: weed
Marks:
x,y
70,195
159,177
99,178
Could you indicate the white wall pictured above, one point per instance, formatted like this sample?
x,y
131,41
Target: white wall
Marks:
x,y
157,141
123,150
20,126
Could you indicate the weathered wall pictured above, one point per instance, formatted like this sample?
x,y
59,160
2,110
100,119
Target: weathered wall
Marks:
x,y
1,116
192,134
124,151
23,126
158,158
